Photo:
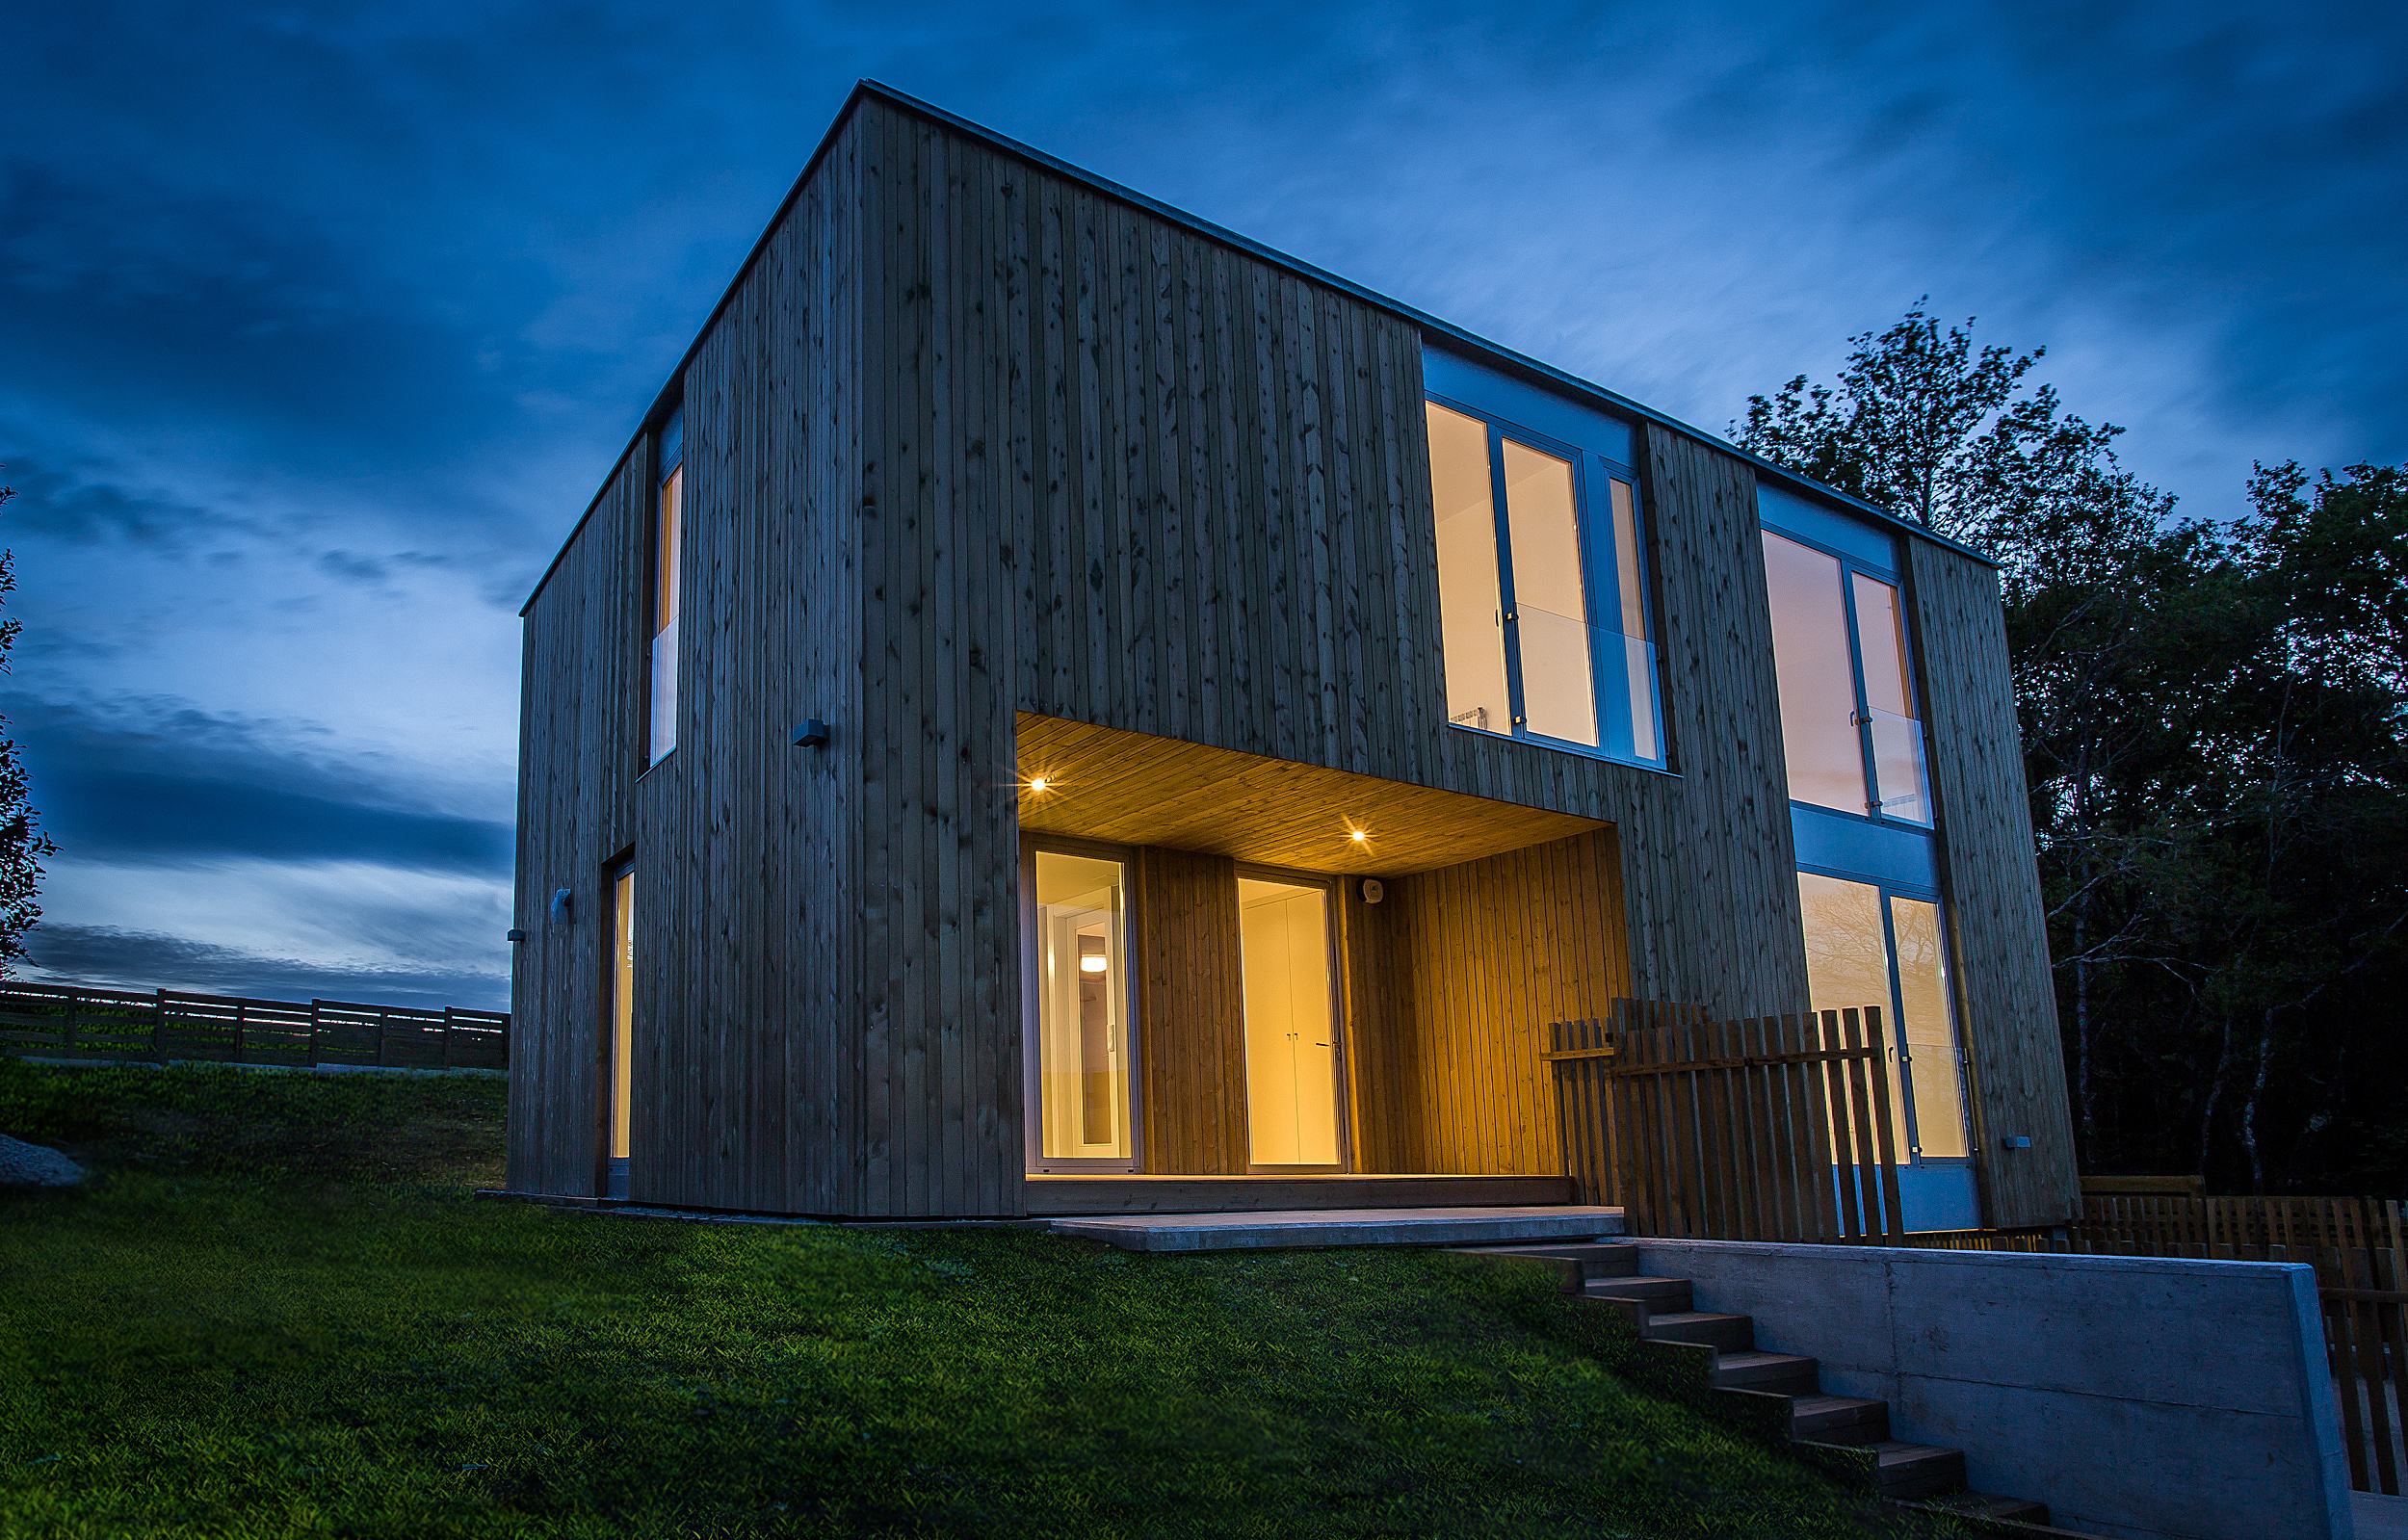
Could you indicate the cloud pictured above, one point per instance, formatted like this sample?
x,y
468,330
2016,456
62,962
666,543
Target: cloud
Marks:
x,y
52,504
334,928
161,781
110,957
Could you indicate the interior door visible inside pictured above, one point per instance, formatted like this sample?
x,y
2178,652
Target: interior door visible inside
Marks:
x,y
1292,1075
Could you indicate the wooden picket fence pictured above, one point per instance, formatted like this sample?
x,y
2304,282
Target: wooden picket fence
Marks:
x,y
1774,1128
74,1021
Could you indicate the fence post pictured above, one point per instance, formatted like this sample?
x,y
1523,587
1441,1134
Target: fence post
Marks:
x,y
447,1037
314,1004
159,1025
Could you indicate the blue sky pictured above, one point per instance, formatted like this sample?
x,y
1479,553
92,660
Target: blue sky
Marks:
x,y
318,324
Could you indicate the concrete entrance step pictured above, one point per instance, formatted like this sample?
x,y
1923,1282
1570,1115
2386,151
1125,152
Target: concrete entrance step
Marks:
x,y
1344,1227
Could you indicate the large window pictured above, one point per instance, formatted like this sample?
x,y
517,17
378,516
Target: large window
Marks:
x,y
1541,590
1868,945
667,530
1850,726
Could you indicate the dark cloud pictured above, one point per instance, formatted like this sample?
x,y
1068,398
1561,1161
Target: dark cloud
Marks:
x,y
158,782
56,504
133,960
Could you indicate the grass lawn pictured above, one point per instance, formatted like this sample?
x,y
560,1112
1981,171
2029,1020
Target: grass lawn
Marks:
x,y
277,1311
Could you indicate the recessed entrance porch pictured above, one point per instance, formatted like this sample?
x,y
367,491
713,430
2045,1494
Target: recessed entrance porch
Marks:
x,y
1223,1013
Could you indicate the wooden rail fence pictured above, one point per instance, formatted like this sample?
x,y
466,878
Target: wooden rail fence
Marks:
x,y
1774,1128
72,1022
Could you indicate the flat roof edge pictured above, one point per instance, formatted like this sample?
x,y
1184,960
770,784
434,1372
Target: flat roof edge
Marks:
x,y
1434,328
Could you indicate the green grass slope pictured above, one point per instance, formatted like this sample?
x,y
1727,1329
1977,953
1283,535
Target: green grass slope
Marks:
x,y
275,1310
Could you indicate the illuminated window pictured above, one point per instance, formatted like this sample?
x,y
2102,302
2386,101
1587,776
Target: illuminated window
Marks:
x,y
1542,604
1850,726
1866,946
621,1025
1082,1008
667,521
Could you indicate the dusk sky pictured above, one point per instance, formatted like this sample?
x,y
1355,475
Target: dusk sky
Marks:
x,y
319,324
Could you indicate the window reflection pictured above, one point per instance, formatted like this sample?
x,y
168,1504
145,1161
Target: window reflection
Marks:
x,y
1469,616
1897,739
1810,656
1550,610
1927,1021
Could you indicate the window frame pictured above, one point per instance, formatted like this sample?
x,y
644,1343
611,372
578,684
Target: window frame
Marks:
x,y
1033,1159
1333,898
1861,708
1885,890
1593,474
668,458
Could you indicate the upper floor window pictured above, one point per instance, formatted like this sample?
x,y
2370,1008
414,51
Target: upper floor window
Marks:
x,y
667,520
1849,724
1542,598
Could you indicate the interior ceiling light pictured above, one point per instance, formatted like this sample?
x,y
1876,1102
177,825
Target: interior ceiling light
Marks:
x,y
1037,783
1362,837
1092,962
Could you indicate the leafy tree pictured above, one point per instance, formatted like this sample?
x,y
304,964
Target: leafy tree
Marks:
x,y
23,846
2212,720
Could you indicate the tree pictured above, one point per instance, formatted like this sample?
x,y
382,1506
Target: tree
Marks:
x,y
23,846
2212,719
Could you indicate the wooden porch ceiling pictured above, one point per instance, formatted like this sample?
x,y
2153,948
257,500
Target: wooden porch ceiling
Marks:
x,y
1102,783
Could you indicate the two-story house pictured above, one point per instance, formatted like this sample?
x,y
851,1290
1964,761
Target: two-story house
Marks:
x,y
1058,694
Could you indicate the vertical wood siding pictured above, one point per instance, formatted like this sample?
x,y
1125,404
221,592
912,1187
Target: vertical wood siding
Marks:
x,y
1474,961
579,723
1991,876
974,438
1190,1014
745,1088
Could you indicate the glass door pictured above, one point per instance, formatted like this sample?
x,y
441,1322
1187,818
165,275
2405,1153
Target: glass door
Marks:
x,y
1082,1049
1292,1071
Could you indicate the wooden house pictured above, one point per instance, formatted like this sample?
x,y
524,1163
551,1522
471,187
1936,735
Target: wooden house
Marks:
x,y
1062,707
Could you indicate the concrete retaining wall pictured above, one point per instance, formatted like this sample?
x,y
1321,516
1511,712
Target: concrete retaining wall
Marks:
x,y
2137,1396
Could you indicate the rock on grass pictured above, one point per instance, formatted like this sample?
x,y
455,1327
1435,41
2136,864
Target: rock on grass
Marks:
x,y
24,1165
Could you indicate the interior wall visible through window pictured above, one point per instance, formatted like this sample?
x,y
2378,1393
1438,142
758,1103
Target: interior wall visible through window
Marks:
x,y
1543,614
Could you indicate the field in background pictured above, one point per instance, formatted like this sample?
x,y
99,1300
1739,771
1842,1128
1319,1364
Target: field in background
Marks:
x,y
277,1311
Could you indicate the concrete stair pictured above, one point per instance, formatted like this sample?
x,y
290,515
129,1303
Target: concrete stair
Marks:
x,y
1783,1390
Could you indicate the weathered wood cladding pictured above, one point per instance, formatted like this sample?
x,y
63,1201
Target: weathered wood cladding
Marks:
x,y
745,1091
1205,478
972,438
1463,969
745,1085
1988,868
1190,1014
578,718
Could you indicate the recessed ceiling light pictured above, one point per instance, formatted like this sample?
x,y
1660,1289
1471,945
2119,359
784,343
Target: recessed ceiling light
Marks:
x,y
1037,783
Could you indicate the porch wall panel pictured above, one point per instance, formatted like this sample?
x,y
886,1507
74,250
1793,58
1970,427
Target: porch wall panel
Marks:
x,y
1479,956
2006,996
1190,1014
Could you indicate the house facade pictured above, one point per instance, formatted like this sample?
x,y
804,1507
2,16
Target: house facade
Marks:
x,y
1057,694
